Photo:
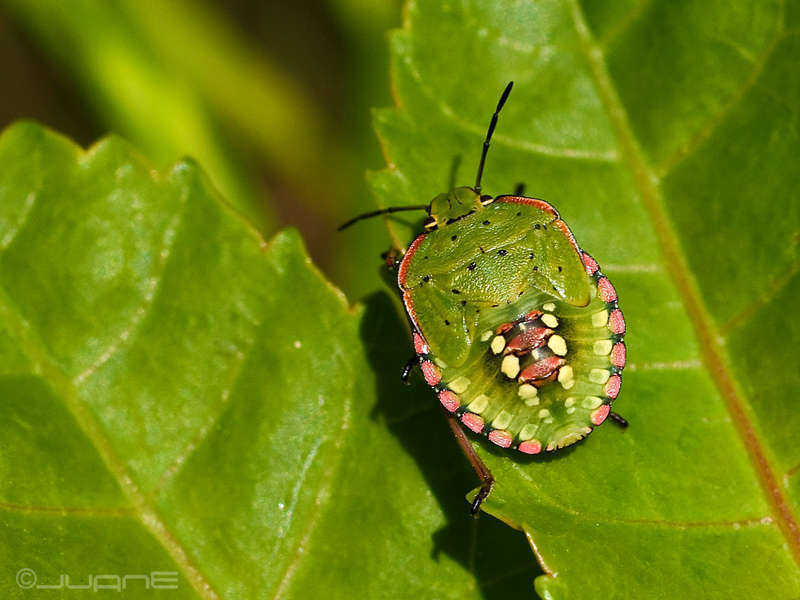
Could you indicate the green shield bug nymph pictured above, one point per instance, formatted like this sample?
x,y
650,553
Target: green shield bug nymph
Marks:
x,y
514,325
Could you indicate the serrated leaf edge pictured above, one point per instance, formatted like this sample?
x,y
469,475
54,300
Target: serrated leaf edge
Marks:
x,y
142,505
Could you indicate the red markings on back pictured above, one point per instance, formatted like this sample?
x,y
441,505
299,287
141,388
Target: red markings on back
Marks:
x,y
412,314
501,438
606,290
600,414
616,322
534,314
541,369
612,386
528,340
568,234
545,207
431,373
420,346
530,447
406,262
472,421
449,400
501,329
540,204
590,264
618,355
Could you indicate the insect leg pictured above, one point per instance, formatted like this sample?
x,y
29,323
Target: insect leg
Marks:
x,y
520,189
485,475
618,419
407,368
391,259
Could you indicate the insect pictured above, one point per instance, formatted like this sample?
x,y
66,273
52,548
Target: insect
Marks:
x,y
514,326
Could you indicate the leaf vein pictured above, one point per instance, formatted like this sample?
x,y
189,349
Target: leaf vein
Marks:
x,y
715,121
204,434
22,219
773,289
294,497
499,138
632,268
321,498
665,523
646,181
625,23
153,284
90,511
47,368
676,365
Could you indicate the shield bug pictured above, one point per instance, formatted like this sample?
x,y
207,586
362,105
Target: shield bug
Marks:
x,y
514,326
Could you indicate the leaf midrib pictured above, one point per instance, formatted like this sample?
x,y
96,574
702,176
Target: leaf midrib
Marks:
x,y
647,183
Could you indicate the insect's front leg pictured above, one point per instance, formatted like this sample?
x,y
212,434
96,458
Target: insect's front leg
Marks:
x,y
391,258
391,262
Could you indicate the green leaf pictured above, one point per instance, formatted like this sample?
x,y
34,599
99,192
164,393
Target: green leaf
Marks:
x,y
667,136
182,397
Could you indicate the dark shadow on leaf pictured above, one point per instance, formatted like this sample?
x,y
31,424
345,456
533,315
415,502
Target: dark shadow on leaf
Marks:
x,y
498,555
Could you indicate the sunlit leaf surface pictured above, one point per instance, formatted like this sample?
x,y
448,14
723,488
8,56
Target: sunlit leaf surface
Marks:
x,y
666,134
182,397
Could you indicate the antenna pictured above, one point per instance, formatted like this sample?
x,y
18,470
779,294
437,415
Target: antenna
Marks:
x,y
489,133
383,211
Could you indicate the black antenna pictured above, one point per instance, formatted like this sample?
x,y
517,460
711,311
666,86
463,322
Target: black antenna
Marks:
x,y
489,133
383,211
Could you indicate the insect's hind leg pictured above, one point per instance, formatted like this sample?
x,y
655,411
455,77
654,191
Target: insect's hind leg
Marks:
x,y
618,419
485,475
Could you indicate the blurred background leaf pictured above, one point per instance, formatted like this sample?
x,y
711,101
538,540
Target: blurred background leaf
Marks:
x,y
272,99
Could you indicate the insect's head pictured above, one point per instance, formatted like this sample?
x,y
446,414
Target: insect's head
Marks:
x,y
450,207
458,202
